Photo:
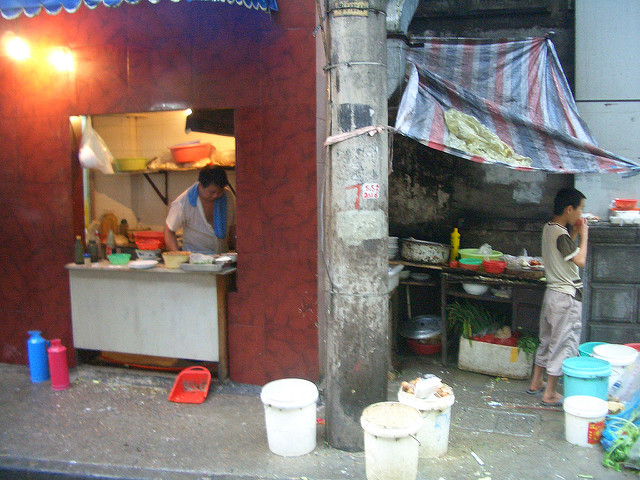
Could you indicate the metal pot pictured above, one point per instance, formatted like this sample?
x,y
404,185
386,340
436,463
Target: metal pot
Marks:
x,y
421,328
425,252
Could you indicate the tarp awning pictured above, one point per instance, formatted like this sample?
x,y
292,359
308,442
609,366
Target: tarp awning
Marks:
x,y
11,9
505,102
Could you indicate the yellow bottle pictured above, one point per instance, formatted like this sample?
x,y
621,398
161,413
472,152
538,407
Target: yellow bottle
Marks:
x,y
455,245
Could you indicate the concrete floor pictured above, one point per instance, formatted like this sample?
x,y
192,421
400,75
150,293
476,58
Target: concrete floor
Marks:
x,y
118,423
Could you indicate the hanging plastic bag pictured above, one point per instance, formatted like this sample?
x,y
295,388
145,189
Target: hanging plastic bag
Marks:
x,y
94,153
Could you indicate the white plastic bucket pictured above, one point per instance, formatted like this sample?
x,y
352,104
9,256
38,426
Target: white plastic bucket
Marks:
x,y
436,419
619,356
584,419
391,452
290,416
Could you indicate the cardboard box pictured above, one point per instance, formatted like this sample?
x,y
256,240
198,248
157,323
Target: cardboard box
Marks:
x,y
492,359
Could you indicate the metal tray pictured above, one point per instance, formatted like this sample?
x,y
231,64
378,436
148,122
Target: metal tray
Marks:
x,y
201,267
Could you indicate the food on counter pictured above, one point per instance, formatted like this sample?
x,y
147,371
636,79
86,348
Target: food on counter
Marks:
x,y
175,259
200,259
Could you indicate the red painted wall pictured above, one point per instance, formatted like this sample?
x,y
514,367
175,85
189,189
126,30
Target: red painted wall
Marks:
x,y
146,57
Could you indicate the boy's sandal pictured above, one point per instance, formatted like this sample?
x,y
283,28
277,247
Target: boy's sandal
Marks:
x,y
551,404
535,392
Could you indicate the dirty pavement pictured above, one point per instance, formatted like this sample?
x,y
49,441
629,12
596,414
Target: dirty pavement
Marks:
x,y
118,423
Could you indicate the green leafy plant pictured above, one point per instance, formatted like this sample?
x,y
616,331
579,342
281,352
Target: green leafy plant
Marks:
x,y
469,320
528,344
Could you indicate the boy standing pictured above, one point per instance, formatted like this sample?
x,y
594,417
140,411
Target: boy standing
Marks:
x,y
561,313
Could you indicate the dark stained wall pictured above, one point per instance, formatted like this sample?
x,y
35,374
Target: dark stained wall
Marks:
x,y
430,192
146,57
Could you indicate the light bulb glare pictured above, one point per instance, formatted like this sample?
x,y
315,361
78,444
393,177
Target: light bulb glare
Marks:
x,y
62,60
18,49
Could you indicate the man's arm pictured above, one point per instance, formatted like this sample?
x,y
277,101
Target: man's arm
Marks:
x,y
583,229
170,239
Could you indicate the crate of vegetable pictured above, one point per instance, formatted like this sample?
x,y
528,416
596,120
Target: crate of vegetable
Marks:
x,y
494,359
486,347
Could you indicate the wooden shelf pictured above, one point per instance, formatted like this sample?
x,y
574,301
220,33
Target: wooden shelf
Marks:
x,y
485,297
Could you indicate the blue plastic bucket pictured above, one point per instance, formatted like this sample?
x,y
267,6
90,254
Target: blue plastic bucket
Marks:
x,y
586,376
586,349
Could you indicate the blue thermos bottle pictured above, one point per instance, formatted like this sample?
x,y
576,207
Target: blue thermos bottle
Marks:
x,y
38,362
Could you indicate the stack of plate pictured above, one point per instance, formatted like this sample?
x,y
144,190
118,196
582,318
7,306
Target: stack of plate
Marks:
x,y
393,247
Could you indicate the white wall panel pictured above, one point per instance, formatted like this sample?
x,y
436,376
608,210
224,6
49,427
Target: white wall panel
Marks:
x,y
607,46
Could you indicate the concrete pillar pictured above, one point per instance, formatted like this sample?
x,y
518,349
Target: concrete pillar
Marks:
x,y
355,219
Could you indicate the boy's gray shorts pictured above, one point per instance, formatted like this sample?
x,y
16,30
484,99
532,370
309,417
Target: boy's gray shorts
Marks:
x,y
560,329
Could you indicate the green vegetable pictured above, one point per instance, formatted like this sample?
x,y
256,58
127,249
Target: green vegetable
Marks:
x,y
628,433
469,320
528,344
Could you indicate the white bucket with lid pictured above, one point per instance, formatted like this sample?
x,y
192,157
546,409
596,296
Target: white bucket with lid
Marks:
x,y
290,416
436,418
584,419
391,451
619,356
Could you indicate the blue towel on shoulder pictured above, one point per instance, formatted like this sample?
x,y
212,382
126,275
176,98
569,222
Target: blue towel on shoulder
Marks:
x,y
219,210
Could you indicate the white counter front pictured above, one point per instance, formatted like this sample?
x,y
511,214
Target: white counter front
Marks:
x,y
158,311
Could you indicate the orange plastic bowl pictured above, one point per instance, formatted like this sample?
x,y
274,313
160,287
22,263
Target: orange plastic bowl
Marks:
x,y
625,203
149,235
494,266
191,152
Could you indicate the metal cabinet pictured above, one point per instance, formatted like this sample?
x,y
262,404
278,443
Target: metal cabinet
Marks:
x,y
611,303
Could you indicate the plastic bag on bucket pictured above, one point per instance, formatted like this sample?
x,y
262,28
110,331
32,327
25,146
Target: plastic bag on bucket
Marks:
x,y
614,427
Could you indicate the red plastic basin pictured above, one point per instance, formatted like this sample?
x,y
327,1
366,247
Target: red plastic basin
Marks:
x,y
423,349
191,152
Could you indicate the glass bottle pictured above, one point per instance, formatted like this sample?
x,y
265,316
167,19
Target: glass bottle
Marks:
x,y
93,250
111,243
78,251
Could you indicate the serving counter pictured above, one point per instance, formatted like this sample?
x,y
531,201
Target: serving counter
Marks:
x,y
156,311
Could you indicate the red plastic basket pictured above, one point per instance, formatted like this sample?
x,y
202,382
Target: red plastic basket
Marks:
x,y
149,235
191,385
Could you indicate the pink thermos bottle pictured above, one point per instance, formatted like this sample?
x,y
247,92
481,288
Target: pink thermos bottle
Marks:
x,y
58,365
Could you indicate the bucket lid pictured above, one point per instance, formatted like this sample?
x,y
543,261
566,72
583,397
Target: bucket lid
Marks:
x,y
587,348
585,406
289,393
586,367
618,355
391,420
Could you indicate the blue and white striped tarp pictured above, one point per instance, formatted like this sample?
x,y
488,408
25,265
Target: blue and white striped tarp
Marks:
x,y
515,89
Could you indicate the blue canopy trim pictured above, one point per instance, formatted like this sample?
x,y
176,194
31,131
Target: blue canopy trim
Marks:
x,y
11,9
